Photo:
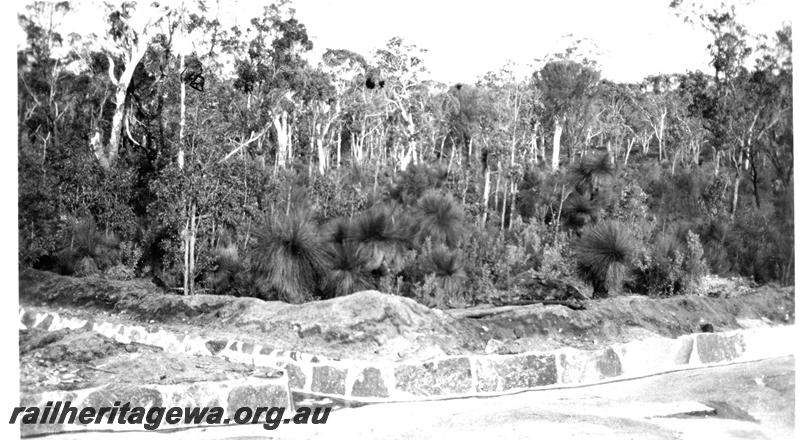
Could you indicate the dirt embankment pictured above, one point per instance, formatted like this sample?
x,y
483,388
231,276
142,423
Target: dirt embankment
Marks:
x,y
75,359
372,325
633,317
365,325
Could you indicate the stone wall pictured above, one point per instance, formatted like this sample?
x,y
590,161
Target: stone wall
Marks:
x,y
360,381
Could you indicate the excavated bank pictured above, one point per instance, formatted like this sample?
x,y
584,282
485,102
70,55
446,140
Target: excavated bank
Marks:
x,y
374,326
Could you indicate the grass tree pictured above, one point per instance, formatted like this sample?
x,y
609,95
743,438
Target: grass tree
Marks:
x,y
448,267
604,254
290,256
590,171
439,218
380,234
348,271
579,211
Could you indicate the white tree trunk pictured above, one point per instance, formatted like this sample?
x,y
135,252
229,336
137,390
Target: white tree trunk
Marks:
x,y
339,148
610,151
192,242
628,150
183,115
557,130
661,124
735,200
280,120
108,155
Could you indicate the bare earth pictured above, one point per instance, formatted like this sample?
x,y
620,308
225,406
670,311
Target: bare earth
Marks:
x,y
366,325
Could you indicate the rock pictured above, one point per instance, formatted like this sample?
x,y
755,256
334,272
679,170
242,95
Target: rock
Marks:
x,y
447,376
137,396
328,380
713,347
588,366
257,396
370,384
517,371
297,379
493,346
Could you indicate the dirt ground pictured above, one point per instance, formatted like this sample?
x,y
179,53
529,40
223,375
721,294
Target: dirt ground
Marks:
x,y
627,318
366,325
75,359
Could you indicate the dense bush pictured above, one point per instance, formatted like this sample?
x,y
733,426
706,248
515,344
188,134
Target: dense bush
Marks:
x,y
287,180
673,264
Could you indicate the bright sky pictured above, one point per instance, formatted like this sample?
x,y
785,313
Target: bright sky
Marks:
x,y
467,38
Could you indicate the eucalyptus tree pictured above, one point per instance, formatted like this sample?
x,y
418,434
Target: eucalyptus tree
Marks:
x,y
271,72
346,70
567,89
132,29
404,92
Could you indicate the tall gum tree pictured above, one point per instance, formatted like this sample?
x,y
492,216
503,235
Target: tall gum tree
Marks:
x,y
272,73
565,86
130,33
404,92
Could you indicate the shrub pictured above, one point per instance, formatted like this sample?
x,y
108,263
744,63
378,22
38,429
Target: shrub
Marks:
x,y
119,272
348,271
88,251
603,254
449,271
587,173
380,234
228,274
415,180
86,267
672,265
440,218
579,211
290,256
630,208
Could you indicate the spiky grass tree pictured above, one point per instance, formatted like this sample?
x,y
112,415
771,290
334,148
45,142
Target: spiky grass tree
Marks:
x,y
380,235
290,256
440,219
579,211
348,271
87,241
587,173
604,254
338,231
226,273
415,180
449,270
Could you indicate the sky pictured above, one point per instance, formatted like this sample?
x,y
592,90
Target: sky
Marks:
x,y
465,39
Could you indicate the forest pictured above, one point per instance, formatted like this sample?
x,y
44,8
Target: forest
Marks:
x,y
219,160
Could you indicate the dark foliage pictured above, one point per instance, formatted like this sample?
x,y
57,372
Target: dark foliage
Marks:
x,y
440,219
604,254
290,256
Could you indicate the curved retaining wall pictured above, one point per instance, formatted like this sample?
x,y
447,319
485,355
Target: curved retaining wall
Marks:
x,y
359,381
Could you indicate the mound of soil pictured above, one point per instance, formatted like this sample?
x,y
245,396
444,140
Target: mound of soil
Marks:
x,y
626,318
75,359
366,325
372,325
